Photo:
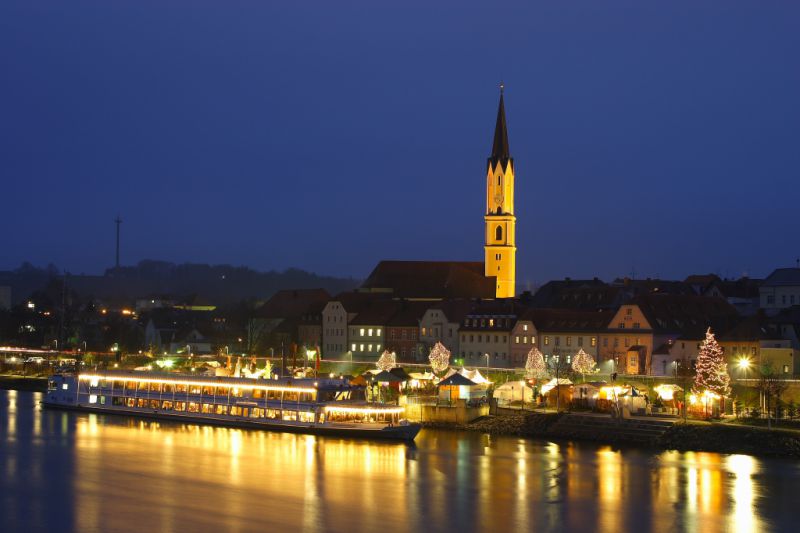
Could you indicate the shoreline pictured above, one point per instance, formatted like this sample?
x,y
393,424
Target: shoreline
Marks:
x,y
691,436
683,437
23,383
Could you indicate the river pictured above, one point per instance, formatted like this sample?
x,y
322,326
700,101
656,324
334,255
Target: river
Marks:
x,y
66,471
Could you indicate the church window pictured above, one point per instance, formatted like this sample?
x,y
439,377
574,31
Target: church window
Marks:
x,y
498,233
500,180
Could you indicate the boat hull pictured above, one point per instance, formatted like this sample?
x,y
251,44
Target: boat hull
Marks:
x,y
405,433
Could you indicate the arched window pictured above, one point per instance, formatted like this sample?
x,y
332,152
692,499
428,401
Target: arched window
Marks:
x,y
500,180
498,233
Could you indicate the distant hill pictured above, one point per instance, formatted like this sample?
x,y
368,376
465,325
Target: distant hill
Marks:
x,y
218,284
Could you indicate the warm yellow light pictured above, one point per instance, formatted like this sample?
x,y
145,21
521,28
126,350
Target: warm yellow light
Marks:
x,y
364,410
85,377
127,312
744,363
665,392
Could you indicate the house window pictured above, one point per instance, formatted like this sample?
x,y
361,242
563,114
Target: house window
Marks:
x,y
369,332
636,325
524,327
621,325
378,333
605,342
362,332
516,339
770,299
558,341
629,311
423,332
546,340
593,342
580,341
352,347
569,341
491,322
524,339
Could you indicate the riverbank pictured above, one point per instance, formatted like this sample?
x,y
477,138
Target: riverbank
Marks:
x,y
701,436
23,383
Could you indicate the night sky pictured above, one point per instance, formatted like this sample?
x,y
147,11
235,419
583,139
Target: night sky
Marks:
x,y
661,137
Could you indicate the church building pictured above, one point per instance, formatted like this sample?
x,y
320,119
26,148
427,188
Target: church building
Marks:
x,y
500,248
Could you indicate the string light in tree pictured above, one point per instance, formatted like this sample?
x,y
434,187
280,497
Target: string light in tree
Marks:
x,y
583,363
535,367
439,358
387,361
712,370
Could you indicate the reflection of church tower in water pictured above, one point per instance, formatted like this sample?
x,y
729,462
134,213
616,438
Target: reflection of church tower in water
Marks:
x,y
500,233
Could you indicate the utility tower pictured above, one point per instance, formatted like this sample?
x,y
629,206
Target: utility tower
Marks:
x,y
117,221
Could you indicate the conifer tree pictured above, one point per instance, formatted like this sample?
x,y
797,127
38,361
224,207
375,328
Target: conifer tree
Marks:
x,y
439,358
387,361
583,363
712,370
535,366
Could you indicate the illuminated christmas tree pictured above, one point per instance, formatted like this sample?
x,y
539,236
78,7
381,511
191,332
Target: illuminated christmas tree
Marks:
x,y
387,361
439,358
583,363
712,371
535,366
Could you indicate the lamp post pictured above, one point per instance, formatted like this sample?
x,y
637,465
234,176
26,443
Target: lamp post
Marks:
x,y
744,366
487,364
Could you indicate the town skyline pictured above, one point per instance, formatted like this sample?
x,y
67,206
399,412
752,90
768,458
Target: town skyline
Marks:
x,y
328,156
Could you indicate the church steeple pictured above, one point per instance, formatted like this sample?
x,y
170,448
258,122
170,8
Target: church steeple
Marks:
x,y
500,235
500,151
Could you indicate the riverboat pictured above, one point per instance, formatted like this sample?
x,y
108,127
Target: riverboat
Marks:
x,y
316,406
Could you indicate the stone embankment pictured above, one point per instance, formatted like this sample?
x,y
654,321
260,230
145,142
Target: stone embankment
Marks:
x,y
720,438
23,383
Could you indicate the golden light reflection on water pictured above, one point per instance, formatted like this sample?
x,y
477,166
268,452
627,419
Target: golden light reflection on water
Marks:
x,y
123,474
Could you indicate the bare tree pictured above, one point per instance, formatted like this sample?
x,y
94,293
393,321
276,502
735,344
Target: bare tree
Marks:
x,y
770,384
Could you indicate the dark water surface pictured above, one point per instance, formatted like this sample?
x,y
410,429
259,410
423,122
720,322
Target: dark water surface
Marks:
x,y
64,471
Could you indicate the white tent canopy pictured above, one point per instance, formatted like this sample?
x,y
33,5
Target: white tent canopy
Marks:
x,y
473,375
513,391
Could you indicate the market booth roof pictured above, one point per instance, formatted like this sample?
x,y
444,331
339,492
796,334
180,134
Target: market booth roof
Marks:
x,y
456,380
387,377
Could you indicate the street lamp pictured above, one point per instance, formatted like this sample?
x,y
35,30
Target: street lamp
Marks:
x,y
744,365
487,364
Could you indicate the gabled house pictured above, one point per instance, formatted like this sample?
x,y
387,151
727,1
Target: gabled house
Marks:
x,y
441,323
649,321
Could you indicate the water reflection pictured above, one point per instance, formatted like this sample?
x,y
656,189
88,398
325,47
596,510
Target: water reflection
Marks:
x,y
79,472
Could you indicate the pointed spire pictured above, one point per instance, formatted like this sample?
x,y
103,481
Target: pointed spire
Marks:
x,y
500,150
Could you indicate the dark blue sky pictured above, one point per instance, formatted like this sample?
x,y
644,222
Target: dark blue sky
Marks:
x,y
663,136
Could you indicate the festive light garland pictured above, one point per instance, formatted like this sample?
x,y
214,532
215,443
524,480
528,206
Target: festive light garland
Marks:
x,y
439,358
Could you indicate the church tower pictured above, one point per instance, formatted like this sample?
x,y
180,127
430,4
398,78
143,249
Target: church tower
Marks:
x,y
500,235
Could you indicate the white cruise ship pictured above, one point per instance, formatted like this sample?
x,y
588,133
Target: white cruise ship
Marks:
x,y
318,406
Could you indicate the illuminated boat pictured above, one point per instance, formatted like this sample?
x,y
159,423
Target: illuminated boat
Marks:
x,y
323,406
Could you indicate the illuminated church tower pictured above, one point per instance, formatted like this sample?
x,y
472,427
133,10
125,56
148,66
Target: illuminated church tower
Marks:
x,y
500,237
